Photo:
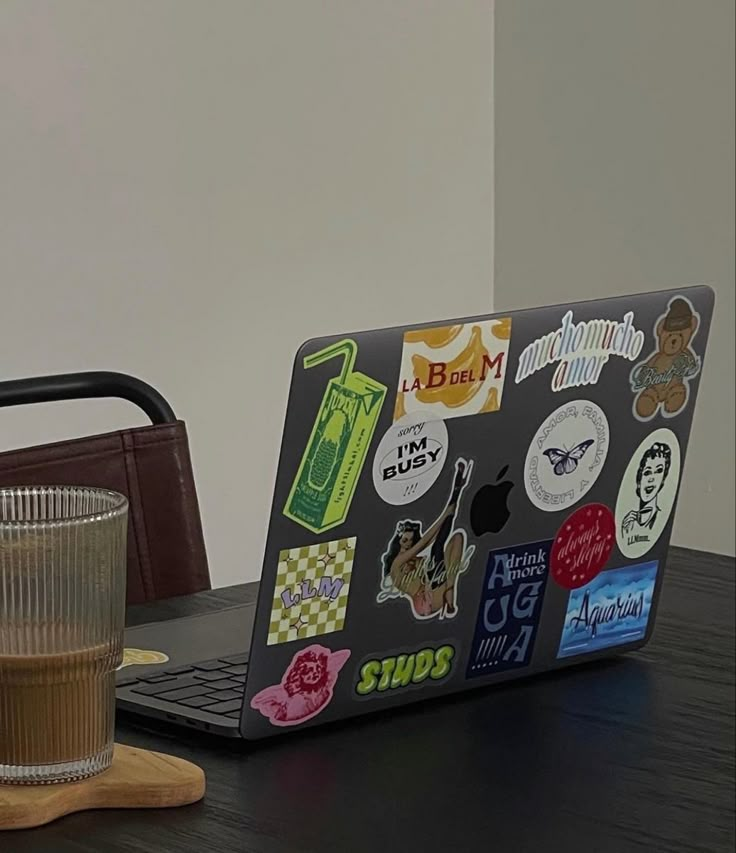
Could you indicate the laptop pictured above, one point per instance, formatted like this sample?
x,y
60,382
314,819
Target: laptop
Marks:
x,y
456,504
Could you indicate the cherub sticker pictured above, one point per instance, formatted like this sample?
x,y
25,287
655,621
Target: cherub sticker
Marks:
x,y
424,566
306,688
662,382
647,493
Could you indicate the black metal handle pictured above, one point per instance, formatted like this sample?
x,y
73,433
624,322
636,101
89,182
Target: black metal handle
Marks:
x,y
85,386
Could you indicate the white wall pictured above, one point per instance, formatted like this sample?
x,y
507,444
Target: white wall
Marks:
x,y
615,173
190,189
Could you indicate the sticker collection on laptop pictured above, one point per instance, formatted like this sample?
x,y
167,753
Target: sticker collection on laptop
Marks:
x,y
424,568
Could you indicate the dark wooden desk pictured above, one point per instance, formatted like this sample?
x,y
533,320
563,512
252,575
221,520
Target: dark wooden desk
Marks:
x,y
636,754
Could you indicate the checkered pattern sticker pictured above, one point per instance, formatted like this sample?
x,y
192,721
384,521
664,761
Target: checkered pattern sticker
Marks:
x,y
311,593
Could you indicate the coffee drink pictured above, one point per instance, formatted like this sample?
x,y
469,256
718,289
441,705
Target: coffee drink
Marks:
x,y
57,708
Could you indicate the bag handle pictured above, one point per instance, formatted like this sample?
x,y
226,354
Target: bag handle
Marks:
x,y
86,386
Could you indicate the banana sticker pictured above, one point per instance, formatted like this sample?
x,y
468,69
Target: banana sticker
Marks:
x,y
469,363
453,371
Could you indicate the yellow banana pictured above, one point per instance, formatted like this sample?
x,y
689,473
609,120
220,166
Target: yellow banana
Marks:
x,y
399,406
467,364
491,403
502,329
439,336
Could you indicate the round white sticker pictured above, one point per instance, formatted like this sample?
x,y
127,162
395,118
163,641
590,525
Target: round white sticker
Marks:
x,y
566,455
409,458
647,493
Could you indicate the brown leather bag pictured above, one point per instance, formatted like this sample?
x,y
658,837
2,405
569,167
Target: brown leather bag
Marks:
x,y
150,465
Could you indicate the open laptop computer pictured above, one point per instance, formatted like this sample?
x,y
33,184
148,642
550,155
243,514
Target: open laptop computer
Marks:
x,y
456,504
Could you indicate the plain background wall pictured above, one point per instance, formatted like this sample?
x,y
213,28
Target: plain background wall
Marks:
x,y
190,189
615,173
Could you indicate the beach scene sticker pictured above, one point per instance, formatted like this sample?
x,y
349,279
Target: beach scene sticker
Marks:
x,y
566,455
610,611
423,564
311,592
583,545
306,687
661,383
453,371
580,350
409,459
333,459
510,607
647,493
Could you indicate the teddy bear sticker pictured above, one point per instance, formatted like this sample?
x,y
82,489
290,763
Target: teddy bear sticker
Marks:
x,y
661,383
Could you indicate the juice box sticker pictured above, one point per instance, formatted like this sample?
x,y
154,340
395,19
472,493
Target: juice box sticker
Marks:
x,y
325,483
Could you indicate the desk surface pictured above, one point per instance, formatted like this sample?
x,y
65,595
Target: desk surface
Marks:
x,y
634,754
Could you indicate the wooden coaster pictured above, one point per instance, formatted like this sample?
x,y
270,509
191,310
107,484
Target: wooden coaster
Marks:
x,y
137,779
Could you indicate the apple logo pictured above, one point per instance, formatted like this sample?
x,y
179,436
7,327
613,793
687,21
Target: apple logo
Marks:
x,y
489,511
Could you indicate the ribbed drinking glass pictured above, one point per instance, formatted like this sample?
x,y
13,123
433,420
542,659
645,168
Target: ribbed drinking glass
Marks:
x,y
62,611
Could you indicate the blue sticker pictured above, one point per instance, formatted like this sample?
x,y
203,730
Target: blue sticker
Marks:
x,y
612,610
510,606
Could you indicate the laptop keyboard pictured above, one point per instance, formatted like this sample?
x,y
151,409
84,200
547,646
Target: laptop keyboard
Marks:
x,y
215,686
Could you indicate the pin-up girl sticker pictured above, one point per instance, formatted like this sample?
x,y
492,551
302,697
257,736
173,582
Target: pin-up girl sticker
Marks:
x,y
424,566
647,493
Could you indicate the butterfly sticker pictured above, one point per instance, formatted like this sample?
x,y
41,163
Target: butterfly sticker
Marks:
x,y
566,461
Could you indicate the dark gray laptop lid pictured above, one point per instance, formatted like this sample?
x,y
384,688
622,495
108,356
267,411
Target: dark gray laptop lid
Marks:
x,y
546,412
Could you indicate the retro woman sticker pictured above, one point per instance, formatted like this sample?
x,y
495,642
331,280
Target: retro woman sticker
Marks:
x,y
424,566
647,493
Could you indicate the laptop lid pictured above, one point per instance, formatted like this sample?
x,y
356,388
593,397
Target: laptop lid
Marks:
x,y
469,501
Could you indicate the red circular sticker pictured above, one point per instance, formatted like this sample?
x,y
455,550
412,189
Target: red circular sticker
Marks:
x,y
582,545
